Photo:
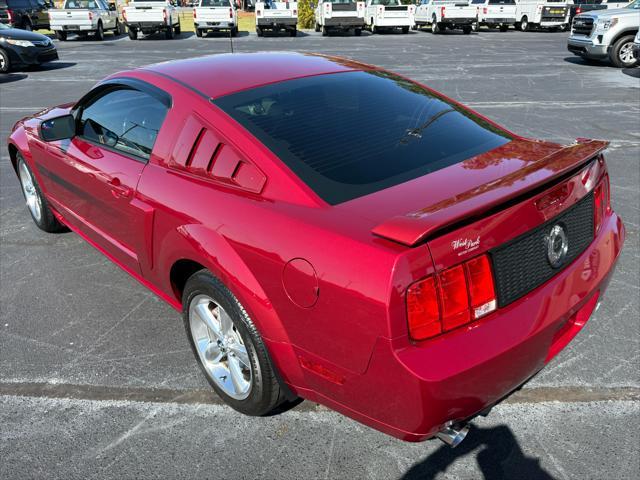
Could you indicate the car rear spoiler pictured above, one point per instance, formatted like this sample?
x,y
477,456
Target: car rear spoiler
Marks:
x,y
416,227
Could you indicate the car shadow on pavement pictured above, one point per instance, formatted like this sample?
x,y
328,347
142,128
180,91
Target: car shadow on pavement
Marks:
x,y
223,34
46,67
11,77
499,456
632,72
586,63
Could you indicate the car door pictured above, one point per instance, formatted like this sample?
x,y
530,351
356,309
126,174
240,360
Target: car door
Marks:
x,y
41,14
117,126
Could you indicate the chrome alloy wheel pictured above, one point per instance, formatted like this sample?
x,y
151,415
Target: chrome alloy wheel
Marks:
x,y
220,347
30,193
626,53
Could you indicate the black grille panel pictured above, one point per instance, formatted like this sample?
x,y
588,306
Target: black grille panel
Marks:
x,y
344,7
582,25
522,265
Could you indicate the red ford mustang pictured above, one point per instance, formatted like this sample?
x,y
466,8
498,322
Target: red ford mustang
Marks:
x,y
332,231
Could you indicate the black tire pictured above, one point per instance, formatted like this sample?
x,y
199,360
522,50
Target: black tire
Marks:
x,y
265,393
168,33
27,26
99,35
504,28
414,26
466,29
198,33
259,31
5,61
623,46
177,30
325,32
435,26
523,24
317,27
47,221
374,29
116,29
405,30
357,32
293,33
133,33
60,35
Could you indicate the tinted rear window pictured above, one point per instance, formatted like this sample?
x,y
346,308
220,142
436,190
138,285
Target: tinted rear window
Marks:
x,y
350,134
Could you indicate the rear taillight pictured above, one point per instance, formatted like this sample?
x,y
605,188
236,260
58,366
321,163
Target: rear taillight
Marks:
x,y
195,15
231,13
578,11
90,16
124,15
602,203
442,10
164,15
450,299
485,10
10,16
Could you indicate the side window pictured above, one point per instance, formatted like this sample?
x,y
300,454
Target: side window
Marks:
x,y
124,119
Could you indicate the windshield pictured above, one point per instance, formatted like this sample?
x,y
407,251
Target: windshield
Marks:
x,y
72,4
350,134
635,5
215,3
4,27
386,3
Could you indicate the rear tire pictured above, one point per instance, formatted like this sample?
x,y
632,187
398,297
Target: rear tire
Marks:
x,y
317,28
357,32
27,26
37,204
234,32
466,29
239,342
99,35
259,31
504,28
621,54
198,33
405,30
293,33
62,36
325,32
133,33
435,27
116,29
177,30
524,24
5,62
168,33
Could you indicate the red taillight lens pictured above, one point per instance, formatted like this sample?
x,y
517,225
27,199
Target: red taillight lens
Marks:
x,y
481,290
10,16
578,11
423,312
450,299
485,10
455,298
124,15
195,15
90,16
231,13
602,203
442,10
164,15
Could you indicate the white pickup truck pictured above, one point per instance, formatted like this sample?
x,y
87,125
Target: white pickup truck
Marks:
x,y
340,15
83,17
388,15
151,16
551,14
442,14
215,15
276,16
496,13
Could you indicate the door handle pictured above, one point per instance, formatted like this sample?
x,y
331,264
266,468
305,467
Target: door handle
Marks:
x,y
117,189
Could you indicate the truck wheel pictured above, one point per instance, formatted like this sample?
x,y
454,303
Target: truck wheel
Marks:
x,y
60,35
259,31
294,32
357,32
435,28
325,32
5,61
198,33
405,30
228,347
177,30
317,29
168,33
133,33
27,25
621,54
504,28
466,29
38,207
99,35
523,24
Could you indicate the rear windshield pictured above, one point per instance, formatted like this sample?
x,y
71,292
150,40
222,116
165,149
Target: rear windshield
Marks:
x,y
350,134
73,4
502,2
215,3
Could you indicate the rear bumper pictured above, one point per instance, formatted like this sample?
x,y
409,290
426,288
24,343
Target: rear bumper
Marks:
x,y
147,26
214,25
458,21
277,22
394,22
411,390
586,48
72,28
344,22
498,21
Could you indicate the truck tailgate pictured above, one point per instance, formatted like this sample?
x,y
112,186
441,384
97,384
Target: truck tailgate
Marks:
x,y
67,18
213,14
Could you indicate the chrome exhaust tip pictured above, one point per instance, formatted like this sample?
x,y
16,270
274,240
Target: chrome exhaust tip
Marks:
x,y
453,435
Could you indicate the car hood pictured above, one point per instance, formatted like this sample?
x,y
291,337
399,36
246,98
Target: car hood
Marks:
x,y
618,12
414,211
17,34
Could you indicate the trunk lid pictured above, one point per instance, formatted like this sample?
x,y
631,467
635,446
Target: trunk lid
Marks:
x,y
415,211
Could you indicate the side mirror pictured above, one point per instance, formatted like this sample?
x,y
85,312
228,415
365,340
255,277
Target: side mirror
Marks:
x,y
58,128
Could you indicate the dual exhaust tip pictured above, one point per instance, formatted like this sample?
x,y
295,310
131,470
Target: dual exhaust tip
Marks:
x,y
453,435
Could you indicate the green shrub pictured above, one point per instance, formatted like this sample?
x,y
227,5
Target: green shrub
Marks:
x,y
306,17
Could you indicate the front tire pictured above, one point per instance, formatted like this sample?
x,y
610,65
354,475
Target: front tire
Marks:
x,y
5,62
524,24
228,347
621,54
37,204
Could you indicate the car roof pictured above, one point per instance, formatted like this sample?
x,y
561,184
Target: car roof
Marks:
x,y
217,75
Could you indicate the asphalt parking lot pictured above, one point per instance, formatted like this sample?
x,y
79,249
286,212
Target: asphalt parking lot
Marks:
x,y
96,377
